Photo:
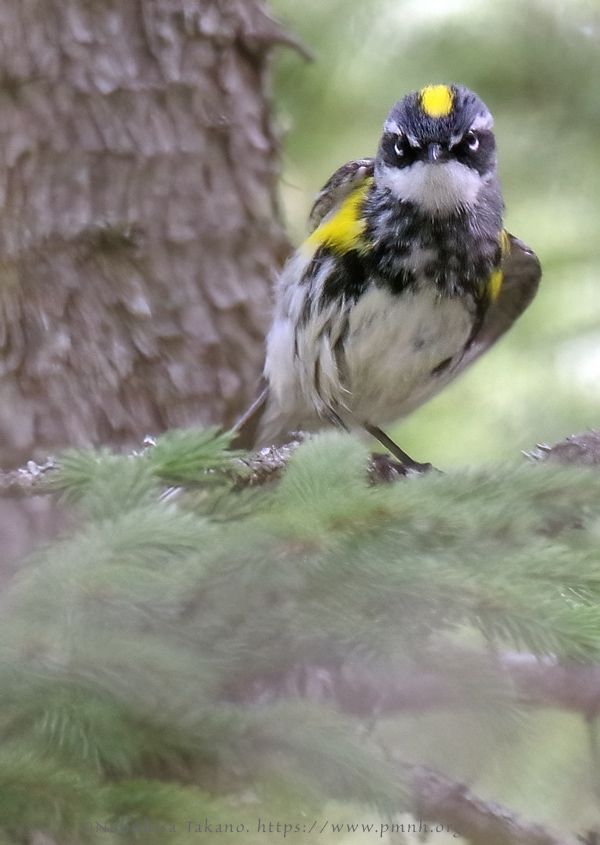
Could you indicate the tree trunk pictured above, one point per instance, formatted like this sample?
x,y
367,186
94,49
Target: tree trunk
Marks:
x,y
139,227
139,223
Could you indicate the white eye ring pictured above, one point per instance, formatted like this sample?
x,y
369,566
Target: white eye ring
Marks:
x,y
397,148
472,140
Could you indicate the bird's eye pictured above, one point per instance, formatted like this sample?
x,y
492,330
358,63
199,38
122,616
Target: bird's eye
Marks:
x,y
472,141
399,146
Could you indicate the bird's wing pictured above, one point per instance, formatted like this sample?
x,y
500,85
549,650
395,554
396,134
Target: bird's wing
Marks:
x,y
521,273
332,195
338,188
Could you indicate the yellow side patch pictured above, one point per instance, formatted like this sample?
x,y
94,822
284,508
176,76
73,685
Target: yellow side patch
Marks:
x,y
437,100
343,230
497,277
495,284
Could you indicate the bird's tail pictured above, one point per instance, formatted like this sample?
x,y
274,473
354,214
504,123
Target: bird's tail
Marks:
x,y
247,427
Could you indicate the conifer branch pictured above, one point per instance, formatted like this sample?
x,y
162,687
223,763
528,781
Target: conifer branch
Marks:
x,y
547,682
269,464
276,589
255,470
25,481
357,691
437,797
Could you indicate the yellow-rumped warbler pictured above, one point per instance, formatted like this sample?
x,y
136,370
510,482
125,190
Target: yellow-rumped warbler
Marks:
x,y
407,278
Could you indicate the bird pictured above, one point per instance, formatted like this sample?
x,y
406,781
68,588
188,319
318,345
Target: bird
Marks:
x,y
407,276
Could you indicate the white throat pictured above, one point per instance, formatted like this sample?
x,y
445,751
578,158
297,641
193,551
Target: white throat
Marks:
x,y
434,186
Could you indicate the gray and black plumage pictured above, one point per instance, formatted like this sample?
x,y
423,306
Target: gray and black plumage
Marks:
x,y
406,279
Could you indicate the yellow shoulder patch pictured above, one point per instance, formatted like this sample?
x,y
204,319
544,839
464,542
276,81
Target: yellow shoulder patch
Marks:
x,y
342,229
436,100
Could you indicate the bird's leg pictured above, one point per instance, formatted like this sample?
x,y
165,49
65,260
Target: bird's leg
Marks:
x,y
396,451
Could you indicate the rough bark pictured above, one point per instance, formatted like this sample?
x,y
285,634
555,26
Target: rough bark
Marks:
x,y
139,225
139,228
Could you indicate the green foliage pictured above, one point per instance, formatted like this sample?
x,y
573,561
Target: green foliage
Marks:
x,y
104,483
191,456
40,793
199,456
128,643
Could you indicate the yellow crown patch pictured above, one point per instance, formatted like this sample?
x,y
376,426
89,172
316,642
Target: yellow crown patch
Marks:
x,y
437,100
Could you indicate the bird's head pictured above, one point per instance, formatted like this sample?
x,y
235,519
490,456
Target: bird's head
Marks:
x,y
438,150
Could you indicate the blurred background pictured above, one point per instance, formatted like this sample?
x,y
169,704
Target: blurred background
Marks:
x,y
536,64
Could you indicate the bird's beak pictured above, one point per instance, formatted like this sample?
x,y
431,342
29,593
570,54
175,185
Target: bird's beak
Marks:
x,y
433,152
